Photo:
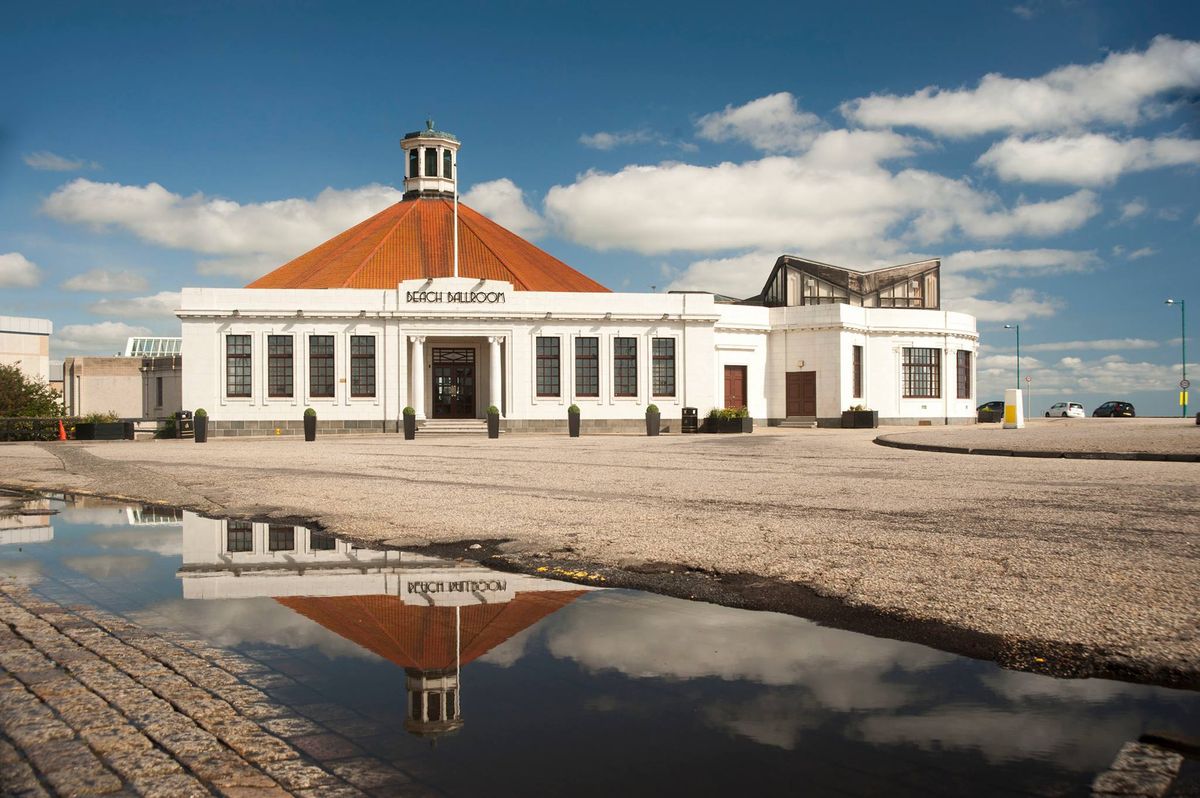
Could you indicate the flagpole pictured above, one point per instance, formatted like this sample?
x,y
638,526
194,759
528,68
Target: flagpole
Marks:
x,y
454,168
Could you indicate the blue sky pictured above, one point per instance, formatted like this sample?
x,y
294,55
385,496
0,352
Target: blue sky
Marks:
x,y
1048,151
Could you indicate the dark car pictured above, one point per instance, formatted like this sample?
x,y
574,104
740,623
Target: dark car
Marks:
x,y
1114,410
990,412
993,407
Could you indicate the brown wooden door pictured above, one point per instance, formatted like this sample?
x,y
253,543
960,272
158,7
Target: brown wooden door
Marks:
x,y
802,393
735,386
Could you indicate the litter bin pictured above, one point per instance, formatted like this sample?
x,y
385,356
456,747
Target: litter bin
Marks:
x,y
183,424
691,420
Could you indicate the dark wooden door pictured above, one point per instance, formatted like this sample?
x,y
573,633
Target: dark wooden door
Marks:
x,y
454,383
735,386
802,393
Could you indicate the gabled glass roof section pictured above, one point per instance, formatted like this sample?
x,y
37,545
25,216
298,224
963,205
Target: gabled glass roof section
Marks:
x,y
797,281
153,347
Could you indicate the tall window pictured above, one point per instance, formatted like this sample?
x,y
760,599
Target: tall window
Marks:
x,y
320,365
237,365
431,162
321,541
547,366
857,372
279,365
964,373
447,163
239,536
414,162
587,366
362,365
663,371
922,373
625,367
281,537
158,391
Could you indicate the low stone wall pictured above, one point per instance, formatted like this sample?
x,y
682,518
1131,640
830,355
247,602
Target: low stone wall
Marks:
x,y
232,429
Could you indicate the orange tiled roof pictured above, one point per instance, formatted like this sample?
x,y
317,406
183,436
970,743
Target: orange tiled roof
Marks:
x,y
414,240
422,638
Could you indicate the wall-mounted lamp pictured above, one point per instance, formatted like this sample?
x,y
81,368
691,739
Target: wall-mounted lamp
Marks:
x,y
664,317
608,316
549,314
299,314
236,313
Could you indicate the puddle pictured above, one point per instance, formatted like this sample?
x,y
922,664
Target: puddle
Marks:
x,y
475,682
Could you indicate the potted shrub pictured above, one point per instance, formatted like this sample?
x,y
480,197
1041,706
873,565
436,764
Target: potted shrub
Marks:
x,y
652,420
573,421
310,424
859,417
410,423
100,427
729,419
200,425
493,421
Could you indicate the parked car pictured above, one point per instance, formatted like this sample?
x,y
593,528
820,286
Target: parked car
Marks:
x,y
1114,410
1065,409
996,407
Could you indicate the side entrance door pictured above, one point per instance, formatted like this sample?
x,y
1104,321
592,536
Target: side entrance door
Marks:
x,y
735,386
802,393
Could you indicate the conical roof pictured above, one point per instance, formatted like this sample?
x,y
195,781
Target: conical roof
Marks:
x,y
413,240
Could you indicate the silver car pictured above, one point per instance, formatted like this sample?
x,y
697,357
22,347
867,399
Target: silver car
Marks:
x,y
1066,409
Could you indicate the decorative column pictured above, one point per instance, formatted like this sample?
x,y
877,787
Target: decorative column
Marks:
x,y
416,396
494,373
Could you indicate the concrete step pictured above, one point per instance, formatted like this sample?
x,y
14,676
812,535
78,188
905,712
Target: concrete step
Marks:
x,y
453,426
799,422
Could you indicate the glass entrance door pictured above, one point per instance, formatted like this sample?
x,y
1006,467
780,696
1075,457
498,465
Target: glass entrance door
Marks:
x,y
453,383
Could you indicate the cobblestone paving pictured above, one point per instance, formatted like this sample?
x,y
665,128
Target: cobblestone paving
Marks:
x,y
92,704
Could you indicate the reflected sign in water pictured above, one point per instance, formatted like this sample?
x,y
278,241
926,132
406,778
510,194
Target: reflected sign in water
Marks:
x,y
530,686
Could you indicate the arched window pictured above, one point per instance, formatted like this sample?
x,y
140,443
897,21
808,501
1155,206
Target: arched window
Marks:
x,y
431,162
414,163
447,163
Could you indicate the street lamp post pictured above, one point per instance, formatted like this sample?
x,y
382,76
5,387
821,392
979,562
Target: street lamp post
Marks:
x,y
1017,327
1183,358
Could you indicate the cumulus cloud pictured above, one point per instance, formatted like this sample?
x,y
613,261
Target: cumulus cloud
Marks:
x,y
1091,159
772,124
47,161
1104,344
1110,376
1133,209
832,197
106,336
604,140
1144,252
164,303
166,541
265,232
739,276
504,203
1021,304
1122,89
17,271
103,566
105,281
1019,261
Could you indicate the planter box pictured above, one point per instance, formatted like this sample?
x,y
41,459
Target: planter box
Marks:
x,y
310,428
728,425
104,431
493,424
573,424
200,429
653,423
860,419
410,427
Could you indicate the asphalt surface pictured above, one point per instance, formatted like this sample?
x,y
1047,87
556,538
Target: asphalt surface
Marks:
x,y
1075,567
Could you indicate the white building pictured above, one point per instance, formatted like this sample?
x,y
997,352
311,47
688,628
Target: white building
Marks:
x,y
25,342
375,319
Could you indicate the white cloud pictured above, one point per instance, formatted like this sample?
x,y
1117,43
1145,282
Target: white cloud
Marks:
x,y
1091,159
740,276
106,336
1109,376
1133,209
1144,252
105,281
835,196
1019,261
102,566
166,541
50,162
604,140
17,271
1104,344
504,203
1021,304
772,124
266,232
1123,89
164,303
1024,11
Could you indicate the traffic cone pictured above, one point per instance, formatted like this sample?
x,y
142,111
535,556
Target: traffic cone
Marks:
x,y
62,431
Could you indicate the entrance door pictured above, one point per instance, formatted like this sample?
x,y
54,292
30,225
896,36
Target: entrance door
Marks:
x,y
453,383
802,393
735,386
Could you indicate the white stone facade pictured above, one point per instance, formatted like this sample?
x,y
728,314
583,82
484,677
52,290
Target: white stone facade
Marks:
x,y
25,342
411,325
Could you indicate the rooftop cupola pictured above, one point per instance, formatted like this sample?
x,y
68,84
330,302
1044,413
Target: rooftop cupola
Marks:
x,y
431,163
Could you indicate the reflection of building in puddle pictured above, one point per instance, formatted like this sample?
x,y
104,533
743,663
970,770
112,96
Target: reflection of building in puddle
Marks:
x,y
28,524
149,515
429,616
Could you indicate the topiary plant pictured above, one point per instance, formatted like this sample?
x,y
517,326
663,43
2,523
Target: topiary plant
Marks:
x,y
651,409
309,411
493,410
573,410
410,411
200,411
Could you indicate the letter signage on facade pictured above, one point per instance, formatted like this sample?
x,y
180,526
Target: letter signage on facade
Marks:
x,y
457,297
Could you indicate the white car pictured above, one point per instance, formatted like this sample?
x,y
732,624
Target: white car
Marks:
x,y
1065,409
